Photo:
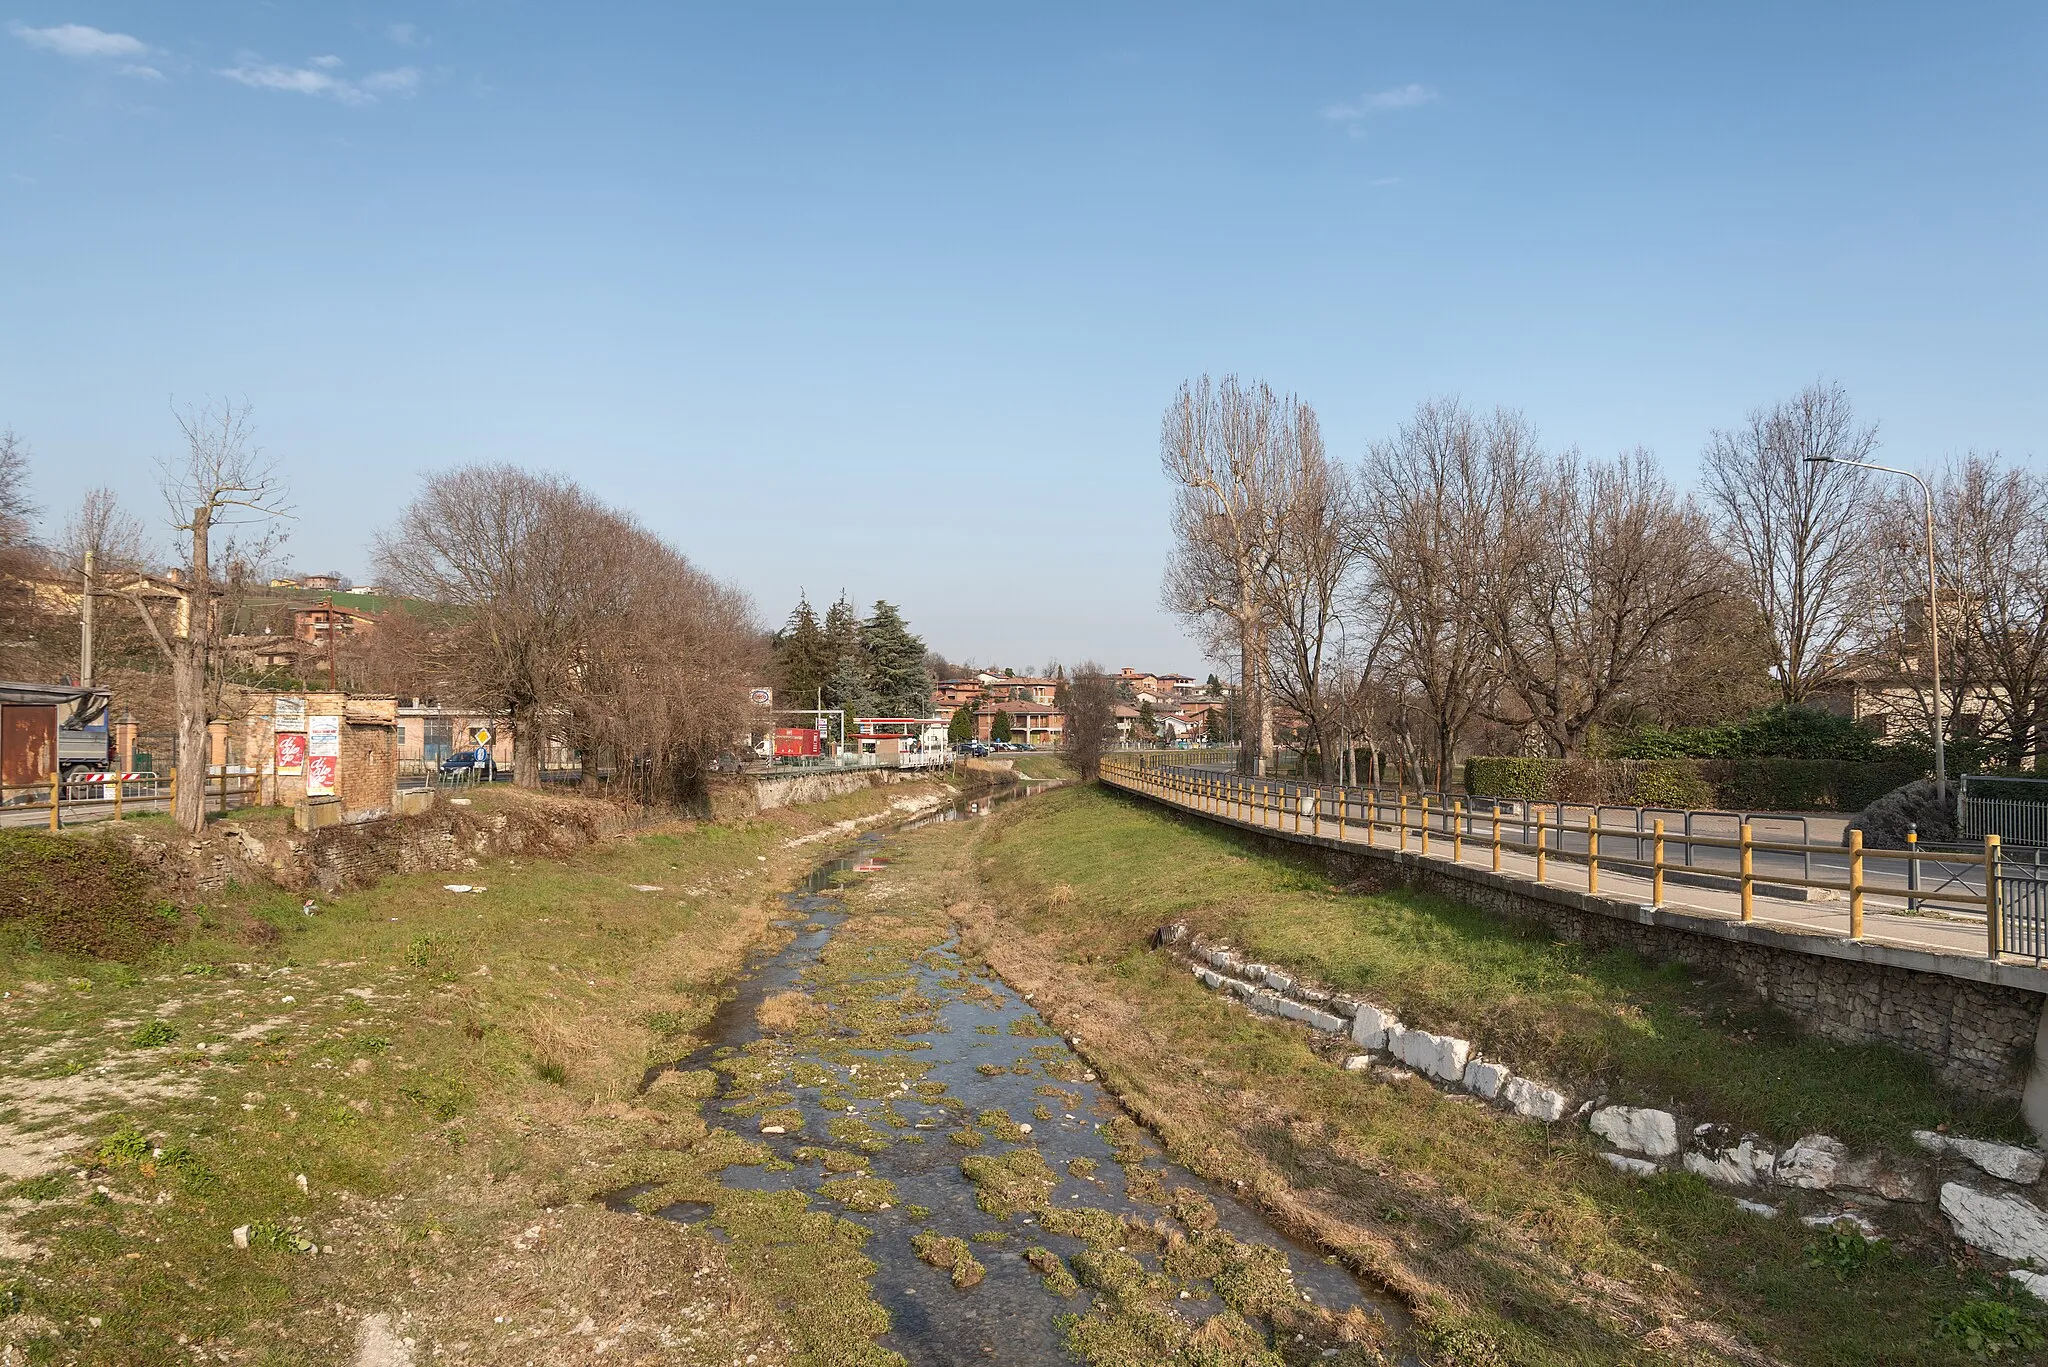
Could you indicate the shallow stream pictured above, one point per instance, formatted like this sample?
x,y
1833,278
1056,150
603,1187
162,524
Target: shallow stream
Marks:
x,y
924,1100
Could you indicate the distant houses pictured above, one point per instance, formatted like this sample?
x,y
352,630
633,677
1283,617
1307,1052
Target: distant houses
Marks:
x,y
1177,705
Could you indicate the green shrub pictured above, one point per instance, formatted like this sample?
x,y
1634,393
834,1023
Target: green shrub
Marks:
x,y
81,895
1990,1328
1731,784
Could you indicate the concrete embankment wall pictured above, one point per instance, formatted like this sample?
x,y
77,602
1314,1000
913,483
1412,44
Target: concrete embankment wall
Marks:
x,y
749,794
1978,1022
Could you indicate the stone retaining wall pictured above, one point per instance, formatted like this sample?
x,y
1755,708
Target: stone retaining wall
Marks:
x,y
751,794
1978,1022
449,836
1989,1193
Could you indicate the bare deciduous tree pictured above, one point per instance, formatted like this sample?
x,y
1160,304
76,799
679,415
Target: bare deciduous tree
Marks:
x,y
1424,531
1234,454
1305,589
222,490
101,528
1601,564
1088,699
1991,570
579,625
17,510
1791,524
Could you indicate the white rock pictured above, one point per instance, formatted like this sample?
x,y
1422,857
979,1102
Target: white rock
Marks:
x,y
2007,1161
2036,1283
1439,1056
1358,1063
1327,1023
1757,1208
1211,978
1995,1222
1813,1163
241,1236
1639,1128
1534,1100
1484,1079
1635,1167
1370,1026
1745,1165
1278,981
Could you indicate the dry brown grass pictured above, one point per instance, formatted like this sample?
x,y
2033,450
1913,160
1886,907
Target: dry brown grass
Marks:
x,y
783,1013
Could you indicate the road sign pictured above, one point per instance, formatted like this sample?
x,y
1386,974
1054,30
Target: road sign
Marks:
x,y
479,735
761,697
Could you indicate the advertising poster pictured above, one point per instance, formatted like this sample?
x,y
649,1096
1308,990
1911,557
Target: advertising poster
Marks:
x,y
323,755
291,754
291,714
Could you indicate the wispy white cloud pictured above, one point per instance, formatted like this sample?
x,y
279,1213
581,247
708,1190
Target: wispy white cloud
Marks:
x,y
81,41
1355,114
1380,101
142,72
405,35
1382,182
402,80
317,78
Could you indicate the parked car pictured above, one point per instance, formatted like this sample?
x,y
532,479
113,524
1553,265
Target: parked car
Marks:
x,y
972,747
467,761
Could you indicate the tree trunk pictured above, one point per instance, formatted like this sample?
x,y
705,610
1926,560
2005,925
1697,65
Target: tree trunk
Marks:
x,y
526,748
188,683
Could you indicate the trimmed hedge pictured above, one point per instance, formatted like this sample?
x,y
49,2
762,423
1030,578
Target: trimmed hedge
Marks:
x,y
1734,784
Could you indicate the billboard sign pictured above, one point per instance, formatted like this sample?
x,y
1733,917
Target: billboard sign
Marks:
x,y
323,755
291,754
761,697
290,713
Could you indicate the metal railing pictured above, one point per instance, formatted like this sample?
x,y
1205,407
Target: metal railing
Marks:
x,y
2018,816
79,798
1412,822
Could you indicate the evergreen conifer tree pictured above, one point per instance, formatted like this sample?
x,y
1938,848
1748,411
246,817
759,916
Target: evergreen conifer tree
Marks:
x,y
842,656
801,660
892,661
999,727
961,727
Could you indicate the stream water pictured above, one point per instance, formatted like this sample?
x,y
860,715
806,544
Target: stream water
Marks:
x,y
915,1066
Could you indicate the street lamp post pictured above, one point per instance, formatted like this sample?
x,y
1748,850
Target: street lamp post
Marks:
x,y
1933,617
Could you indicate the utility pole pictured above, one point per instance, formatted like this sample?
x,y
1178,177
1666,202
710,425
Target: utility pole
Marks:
x,y
1933,617
331,686
85,628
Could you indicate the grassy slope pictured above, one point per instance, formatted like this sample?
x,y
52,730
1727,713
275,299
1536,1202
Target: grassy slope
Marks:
x,y
1515,1243
453,1074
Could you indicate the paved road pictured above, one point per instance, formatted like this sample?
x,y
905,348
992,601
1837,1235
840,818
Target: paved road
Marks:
x,y
1959,875
1886,920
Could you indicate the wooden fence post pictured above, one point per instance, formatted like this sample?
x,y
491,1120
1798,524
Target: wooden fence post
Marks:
x,y
1748,876
1458,832
1541,863
56,820
1496,839
1855,884
1657,862
1425,825
1994,909
1372,815
1404,823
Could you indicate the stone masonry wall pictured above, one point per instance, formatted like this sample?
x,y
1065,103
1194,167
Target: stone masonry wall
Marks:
x,y
1979,1035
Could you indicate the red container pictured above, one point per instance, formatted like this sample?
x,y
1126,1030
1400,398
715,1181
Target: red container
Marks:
x,y
795,742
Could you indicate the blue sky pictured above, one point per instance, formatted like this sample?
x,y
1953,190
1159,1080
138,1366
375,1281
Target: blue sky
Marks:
x,y
791,282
